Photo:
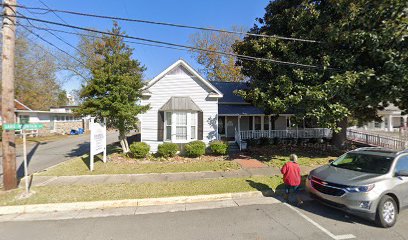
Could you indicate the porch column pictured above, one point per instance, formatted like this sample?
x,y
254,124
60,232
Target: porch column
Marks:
x,y
226,127
382,124
239,126
390,127
405,121
262,122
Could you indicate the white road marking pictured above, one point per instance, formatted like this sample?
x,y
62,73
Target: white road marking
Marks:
x,y
335,237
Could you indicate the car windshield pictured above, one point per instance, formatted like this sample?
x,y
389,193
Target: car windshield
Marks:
x,y
367,163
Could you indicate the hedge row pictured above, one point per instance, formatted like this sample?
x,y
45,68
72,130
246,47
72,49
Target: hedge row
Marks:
x,y
192,149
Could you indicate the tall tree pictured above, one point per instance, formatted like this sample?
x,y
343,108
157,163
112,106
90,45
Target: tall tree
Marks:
x,y
35,67
114,89
217,67
362,49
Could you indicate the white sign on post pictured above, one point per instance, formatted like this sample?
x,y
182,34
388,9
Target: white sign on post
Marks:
x,y
98,140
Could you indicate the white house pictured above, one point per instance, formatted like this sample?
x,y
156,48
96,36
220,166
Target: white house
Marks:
x,y
185,107
392,120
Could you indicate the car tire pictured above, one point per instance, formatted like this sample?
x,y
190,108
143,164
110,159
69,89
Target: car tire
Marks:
x,y
387,212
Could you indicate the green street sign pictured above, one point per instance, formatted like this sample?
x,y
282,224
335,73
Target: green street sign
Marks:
x,y
18,126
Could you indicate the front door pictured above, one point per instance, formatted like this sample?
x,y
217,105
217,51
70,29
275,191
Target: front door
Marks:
x,y
231,124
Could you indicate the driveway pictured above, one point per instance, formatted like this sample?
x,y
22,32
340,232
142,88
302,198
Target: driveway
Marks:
x,y
47,154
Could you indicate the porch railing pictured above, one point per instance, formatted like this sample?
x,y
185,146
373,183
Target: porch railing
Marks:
x,y
290,133
376,140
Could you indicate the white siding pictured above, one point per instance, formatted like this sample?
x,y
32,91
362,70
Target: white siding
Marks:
x,y
181,84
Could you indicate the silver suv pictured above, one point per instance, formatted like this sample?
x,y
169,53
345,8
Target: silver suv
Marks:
x,y
368,182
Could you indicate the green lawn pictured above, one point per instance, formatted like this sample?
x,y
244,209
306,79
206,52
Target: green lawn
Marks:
x,y
79,166
79,193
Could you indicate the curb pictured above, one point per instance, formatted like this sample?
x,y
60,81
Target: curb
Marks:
x,y
75,206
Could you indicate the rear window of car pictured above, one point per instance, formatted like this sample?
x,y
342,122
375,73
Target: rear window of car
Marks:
x,y
367,163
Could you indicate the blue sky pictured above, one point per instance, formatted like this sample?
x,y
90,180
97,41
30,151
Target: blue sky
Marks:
x,y
210,13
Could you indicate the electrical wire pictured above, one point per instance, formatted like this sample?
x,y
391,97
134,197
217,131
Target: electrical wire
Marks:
x,y
47,10
180,45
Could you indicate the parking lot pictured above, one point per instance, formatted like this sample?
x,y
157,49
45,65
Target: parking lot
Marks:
x,y
218,220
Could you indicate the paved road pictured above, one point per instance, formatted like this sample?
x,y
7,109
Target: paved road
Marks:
x,y
256,222
44,155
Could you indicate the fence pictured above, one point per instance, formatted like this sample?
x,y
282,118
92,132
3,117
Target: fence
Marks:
x,y
376,140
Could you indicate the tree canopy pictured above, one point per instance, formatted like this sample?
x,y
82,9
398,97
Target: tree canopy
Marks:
x,y
361,51
217,67
114,89
36,84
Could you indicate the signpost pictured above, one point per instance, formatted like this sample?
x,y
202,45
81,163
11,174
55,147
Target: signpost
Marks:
x,y
98,141
23,127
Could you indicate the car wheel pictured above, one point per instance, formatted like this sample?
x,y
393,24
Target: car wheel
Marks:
x,y
387,212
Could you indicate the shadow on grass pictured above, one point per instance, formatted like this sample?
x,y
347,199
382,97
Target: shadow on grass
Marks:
x,y
265,153
20,170
110,149
263,188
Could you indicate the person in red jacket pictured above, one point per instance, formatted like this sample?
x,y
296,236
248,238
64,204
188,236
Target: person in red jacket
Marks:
x,y
292,178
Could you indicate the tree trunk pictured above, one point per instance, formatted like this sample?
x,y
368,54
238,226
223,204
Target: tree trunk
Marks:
x,y
339,139
123,141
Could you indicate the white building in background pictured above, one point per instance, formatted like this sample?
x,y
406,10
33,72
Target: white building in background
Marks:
x,y
71,100
392,120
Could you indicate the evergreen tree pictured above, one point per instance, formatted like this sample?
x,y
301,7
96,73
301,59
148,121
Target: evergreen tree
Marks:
x,y
114,89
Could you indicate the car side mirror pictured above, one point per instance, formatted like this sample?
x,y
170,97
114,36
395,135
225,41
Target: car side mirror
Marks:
x,y
402,173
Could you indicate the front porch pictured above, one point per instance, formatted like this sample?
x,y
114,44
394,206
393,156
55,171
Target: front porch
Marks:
x,y
229,124
239,129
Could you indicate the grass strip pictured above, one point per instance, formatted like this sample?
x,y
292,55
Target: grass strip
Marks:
x,y
80,193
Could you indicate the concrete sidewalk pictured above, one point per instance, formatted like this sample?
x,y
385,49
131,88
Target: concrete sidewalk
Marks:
x,y
147,178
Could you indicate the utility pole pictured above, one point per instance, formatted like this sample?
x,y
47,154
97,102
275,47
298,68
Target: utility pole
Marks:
x,y
7,98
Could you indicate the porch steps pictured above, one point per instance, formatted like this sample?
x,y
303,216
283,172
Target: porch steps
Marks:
x,y
233,148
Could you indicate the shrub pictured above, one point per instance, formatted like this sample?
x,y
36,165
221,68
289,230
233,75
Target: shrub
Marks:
x,y
219,147
195,148
263,141
253,142
139,149
167,149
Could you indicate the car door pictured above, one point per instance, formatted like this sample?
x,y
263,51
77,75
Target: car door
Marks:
x,y
402,188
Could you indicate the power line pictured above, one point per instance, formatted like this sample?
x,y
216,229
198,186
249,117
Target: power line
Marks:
x,y
58,37
166,24
51,54
50,43
55,35
180,45
93,36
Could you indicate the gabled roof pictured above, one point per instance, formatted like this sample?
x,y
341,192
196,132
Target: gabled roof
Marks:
x,y
183,63
18,105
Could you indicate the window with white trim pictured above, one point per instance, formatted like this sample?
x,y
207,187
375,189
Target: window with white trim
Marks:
x,y
180,126
167,131
193,127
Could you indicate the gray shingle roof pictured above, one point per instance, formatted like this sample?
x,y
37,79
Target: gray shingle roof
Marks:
x,y
228,88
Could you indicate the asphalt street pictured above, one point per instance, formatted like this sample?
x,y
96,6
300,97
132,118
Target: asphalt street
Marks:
x,y
266,221
44,155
